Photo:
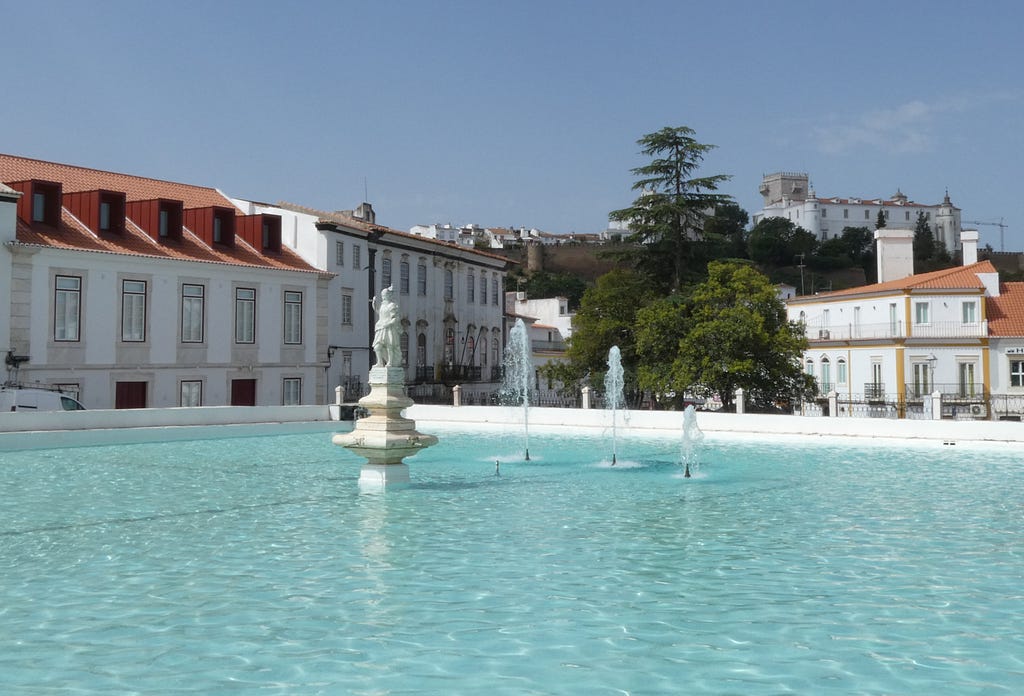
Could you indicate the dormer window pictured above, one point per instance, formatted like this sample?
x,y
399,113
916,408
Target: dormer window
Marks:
x,y
40,202
160,218
99,210
261,231
215,225
46,203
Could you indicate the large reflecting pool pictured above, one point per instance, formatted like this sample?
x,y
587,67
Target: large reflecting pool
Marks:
x,y
256,565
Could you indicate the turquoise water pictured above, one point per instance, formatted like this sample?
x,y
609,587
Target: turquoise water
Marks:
x,y
255,565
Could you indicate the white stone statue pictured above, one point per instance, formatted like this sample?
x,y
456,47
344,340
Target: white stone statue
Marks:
x,y
387,334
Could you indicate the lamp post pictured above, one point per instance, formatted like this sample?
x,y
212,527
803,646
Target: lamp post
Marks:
x,y
931,370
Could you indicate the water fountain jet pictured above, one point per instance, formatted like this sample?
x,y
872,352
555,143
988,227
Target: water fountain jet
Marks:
x,y
518,374
613,391
692,437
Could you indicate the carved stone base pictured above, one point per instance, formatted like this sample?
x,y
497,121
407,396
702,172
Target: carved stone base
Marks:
x,y
377,476
385,437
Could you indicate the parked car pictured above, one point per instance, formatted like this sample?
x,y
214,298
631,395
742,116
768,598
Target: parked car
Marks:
x,y
34,399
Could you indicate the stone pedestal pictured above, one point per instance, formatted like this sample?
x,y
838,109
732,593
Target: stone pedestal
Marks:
x,y
385,437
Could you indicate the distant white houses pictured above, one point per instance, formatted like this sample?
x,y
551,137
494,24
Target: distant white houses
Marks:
x,y
789,195
474,236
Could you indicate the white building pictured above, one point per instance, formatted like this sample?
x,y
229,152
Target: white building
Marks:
x,y
135,292
789,195
450,297
892,344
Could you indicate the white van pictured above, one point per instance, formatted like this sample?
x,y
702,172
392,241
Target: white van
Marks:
x,y
30,399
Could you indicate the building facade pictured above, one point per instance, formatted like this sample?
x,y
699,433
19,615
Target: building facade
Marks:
x,y
450,297
134,292
885,349
789,195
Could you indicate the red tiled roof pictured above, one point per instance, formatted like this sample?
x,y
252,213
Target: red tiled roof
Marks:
x,y
958,278
1005,313
73,234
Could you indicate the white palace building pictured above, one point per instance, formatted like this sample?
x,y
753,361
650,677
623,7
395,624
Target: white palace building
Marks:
x,y
789,195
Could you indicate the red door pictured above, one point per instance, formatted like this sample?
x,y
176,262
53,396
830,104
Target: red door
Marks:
x,y
243,392
130,395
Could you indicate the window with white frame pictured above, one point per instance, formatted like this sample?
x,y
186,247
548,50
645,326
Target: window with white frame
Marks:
x,y
922,378
841,371
421,279
385,272
826,376
292,317
969,310
403,342
421,350
190,392
449,345
245,315
133,310
291,391
483,289
1017,373
449,284
894,323
470,287
809,367
966,374
403,277
494,291
921,310
346,308
356,249
192,310
339,253
67,308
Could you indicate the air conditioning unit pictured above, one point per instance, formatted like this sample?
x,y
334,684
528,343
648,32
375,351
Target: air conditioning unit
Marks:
x,y
823,334
979,411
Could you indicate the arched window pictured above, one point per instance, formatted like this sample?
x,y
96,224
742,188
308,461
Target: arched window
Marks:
x,y
421,350
809,367
470,287
403,277
385,272
483,289
495,347
449,345
470,350
826,376
403,341
483,352
841,371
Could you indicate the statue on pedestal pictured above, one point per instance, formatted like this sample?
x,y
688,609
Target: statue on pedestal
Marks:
x,y
387,335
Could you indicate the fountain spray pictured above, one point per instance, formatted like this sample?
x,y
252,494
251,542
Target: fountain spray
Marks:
x,y
613,391
518,373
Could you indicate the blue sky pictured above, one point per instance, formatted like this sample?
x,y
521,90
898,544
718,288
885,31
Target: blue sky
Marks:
x,y
523,113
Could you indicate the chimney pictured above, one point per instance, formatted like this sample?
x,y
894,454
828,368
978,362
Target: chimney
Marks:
x,y
969,243
895,251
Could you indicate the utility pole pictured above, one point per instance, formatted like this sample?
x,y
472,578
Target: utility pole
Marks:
x,y
801,267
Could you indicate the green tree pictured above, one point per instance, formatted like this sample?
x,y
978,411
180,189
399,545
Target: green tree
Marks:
x,y
667,218
924,242
737,335
880,220
726,229
777,241
606,318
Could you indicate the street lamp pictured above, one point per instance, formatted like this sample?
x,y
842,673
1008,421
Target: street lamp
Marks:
x,y
931,368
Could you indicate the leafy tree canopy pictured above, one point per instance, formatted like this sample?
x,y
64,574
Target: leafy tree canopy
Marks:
x,y
730,332
668,217
778,242
606,318
541,284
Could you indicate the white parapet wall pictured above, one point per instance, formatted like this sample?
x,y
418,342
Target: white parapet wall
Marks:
x,y
725,424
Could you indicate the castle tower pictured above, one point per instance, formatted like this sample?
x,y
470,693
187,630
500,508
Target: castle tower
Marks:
x,y
947,224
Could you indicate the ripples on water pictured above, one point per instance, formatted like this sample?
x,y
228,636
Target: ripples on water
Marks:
x,y
256,565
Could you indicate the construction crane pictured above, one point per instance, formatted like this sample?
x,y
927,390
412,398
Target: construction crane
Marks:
x,y
1001,225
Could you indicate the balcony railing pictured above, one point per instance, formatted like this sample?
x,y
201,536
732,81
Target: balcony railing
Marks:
x,y
874,391
893,330
547,346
